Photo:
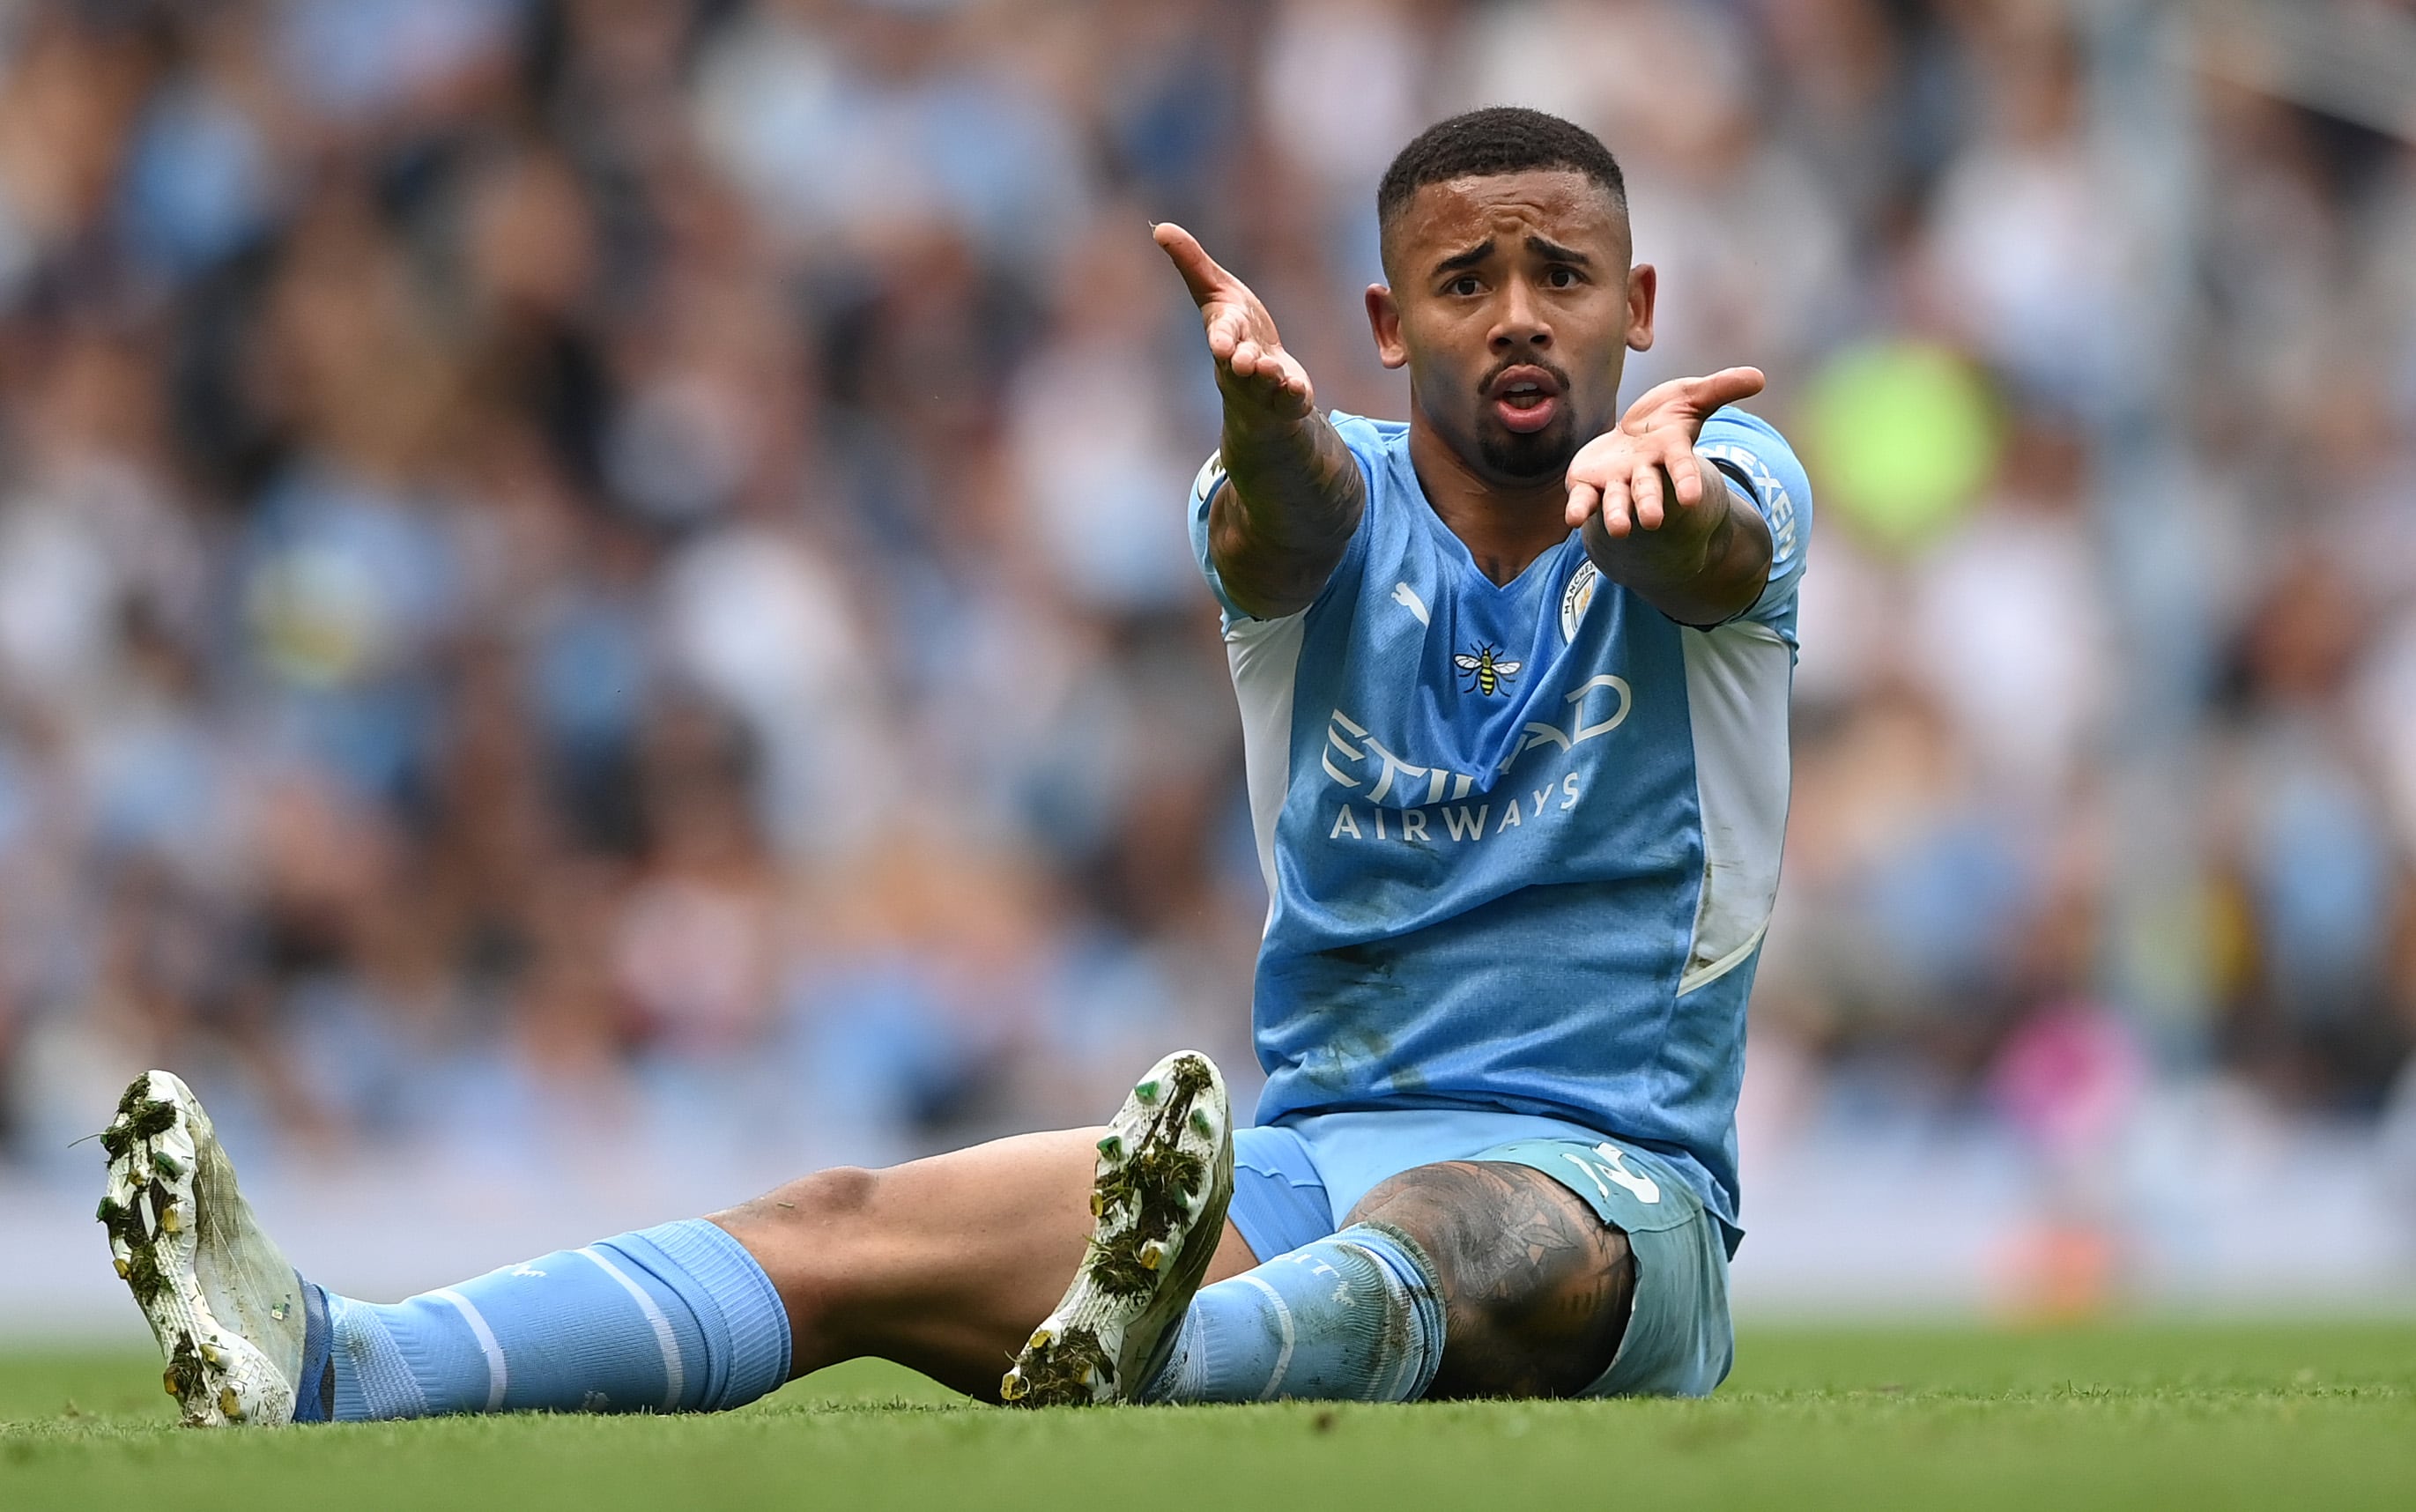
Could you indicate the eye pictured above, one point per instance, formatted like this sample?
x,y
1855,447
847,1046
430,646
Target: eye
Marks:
x,y
1463,286
1561,277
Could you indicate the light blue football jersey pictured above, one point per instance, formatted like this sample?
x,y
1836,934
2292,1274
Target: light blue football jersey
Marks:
x,y
1520,840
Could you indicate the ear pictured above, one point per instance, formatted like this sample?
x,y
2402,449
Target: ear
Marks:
x,y
1384,320
1643,283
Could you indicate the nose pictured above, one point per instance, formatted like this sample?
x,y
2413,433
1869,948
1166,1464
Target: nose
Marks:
x,y
1518,322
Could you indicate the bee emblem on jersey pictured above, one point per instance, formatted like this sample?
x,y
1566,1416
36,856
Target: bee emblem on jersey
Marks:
x,y
1485,671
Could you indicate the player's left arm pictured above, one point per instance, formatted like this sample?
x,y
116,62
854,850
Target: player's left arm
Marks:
x,y
1659,519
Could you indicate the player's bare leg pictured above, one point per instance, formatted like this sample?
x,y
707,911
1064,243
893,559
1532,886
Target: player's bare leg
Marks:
x,y
946,1264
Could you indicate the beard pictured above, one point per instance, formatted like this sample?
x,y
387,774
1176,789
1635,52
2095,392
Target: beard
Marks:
x,y
1527,456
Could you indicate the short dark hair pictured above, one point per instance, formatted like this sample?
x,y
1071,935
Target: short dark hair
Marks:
x,y
1499,139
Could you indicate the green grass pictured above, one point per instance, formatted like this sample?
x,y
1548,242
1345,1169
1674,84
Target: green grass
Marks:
x,y
2135,1415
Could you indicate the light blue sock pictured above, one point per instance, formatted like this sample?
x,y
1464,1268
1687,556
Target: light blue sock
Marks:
x,y
678,1318
1355,1317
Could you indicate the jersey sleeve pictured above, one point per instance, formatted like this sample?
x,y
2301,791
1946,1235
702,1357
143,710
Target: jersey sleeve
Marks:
x,y
1203,488
1357,435
1757,459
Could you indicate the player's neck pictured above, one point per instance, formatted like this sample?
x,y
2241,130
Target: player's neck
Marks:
x,y
1504,527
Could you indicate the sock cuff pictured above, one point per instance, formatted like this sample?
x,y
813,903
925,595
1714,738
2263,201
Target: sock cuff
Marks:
x,y
314,1384
1181,1376
727,1287
378,1378
1411,1268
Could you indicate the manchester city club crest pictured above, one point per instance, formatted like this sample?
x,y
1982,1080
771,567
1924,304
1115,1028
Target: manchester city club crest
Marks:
x,y
1583,584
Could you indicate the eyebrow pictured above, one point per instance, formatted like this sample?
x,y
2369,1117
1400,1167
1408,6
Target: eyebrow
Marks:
x,y
1469,258
1540,246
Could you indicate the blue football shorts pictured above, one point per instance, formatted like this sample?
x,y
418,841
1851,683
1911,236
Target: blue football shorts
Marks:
x,y
1295,1181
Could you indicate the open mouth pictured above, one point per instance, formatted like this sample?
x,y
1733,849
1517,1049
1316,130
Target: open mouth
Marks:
x,y
1526,398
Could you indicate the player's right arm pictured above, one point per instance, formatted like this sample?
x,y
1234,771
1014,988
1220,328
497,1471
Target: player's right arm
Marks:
x,y
1293,491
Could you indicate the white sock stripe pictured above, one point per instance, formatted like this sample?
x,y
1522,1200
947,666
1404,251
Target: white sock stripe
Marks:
x,y
1283,1321
496,1376
673,1376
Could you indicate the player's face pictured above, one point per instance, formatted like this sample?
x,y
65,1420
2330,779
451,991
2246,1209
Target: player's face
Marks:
x,y
1514,308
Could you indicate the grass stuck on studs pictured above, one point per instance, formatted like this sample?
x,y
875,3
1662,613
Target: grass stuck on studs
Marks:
x,y
139,1211
1152,1235
1058,1372
143,1215
196,1290
1154,1178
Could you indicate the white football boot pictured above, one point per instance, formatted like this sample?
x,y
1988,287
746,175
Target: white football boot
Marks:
x,y
228,1310
1165,1176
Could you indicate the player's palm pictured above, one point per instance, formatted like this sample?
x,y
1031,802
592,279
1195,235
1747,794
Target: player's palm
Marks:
x,y
1631,476
1252,367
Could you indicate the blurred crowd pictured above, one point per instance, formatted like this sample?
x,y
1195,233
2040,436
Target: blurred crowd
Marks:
x,y
615,569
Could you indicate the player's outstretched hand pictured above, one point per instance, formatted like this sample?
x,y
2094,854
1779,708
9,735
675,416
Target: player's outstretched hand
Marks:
x,y
1636,476
1253,368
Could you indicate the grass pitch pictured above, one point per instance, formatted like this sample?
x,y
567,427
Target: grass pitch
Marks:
x,y
2132,1415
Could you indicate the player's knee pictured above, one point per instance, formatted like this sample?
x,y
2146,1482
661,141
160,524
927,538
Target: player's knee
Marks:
x,y
816,1205
1552,1335
807,1237
1536,1287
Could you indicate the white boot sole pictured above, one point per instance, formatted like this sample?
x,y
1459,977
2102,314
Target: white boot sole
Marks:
x,y
1164,1178
156,1225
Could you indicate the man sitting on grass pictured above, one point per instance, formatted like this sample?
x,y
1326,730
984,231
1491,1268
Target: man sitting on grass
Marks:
x,y
1513,677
